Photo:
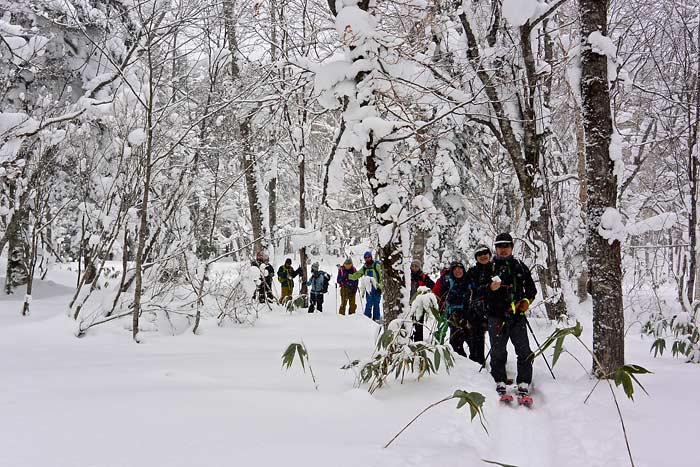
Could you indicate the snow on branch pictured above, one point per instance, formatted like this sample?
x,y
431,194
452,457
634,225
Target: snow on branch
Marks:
x,y
613,228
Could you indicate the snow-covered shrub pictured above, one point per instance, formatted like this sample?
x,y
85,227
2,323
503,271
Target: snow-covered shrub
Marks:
x,y
396,354
232,296
682,330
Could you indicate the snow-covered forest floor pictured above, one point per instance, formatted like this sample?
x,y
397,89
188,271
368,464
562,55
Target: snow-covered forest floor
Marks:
x,y
222,398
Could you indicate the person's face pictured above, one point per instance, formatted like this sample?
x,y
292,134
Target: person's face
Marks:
x,y
483,258
347,266
458,272
414,268
368,260
504,250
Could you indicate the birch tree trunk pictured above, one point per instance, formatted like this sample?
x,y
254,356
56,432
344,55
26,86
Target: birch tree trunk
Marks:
x,y
603,256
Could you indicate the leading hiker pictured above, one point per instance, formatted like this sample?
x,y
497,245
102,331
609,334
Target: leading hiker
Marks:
x,y
509,296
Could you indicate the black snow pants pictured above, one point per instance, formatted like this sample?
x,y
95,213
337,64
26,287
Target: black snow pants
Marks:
x,y
315,300
514,329
476,340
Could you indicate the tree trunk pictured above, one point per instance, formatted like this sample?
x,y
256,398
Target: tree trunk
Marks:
x,y
248,162
143,214
693,144
391,253
582,281
604,257
302,224
17,270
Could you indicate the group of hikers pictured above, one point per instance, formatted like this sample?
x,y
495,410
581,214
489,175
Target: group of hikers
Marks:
x,y
317,283
492,296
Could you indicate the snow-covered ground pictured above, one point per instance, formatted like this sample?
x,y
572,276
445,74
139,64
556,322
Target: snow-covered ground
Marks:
x,y
222,399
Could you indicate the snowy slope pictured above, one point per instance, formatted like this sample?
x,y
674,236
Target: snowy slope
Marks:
x,y
222,399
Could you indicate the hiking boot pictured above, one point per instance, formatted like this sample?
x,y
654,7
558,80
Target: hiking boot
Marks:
x,y
501,388
523,389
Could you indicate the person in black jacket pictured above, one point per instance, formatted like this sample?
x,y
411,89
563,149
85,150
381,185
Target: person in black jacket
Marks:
x,y
479,277
509,296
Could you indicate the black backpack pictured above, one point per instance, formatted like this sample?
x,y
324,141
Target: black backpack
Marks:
x,y
326,280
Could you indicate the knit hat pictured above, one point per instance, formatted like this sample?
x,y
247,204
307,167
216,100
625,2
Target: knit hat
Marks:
x,y
481,249
348,261
416,262
314,267
457,264
368,254
503,239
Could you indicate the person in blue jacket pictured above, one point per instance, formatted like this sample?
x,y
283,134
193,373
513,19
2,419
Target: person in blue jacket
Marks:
x,y
318,286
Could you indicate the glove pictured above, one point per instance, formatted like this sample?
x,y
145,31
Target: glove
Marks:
x,y
379,290
523,305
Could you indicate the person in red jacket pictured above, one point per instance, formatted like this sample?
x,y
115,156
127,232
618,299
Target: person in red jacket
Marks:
x,y
419,279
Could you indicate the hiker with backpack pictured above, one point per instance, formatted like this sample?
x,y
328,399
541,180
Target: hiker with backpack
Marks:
x,y
318,284
373,294
263,292
509,296
348,287
419,279
452,291
286,275
479,277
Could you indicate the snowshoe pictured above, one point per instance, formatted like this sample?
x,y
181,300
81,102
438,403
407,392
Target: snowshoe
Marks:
x,y
525,400
502,391
524,395
506,398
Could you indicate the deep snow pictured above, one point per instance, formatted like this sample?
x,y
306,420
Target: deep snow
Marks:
x,y
222,399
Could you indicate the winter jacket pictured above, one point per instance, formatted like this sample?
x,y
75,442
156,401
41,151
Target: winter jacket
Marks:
x,y
318,281
452,293
516,284
374,271
420,279
344,278
479,277
286,275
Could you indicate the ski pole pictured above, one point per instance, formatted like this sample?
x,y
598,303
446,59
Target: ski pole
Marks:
x,y
538,346
483,365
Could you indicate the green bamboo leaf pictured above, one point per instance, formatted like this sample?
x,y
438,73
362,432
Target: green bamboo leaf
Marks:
x,y
302,355
557,350
437,361
659,346
288,355
639,384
